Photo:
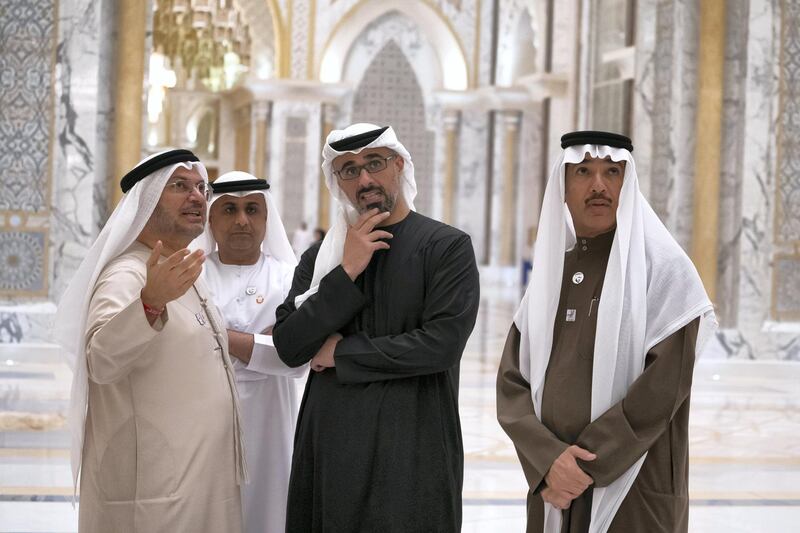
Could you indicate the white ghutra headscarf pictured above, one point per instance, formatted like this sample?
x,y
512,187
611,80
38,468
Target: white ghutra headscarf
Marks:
x,y
275,244
651,290
332,248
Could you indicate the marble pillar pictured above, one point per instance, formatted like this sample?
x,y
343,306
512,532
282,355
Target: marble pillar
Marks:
x,y
294,166
732,147
509,194
705,228
448,190
260,125
470,205
325,206
531,180
128,87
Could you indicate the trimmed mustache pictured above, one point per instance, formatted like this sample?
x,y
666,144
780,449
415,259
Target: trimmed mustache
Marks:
x,y
371,188
597,196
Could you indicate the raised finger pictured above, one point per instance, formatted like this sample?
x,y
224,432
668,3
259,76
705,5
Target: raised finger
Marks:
x,y
194,260
373,221
363,217
379,234
176,258
188,263
153,259
191,274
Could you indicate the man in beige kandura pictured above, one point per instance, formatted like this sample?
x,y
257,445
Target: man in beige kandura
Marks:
x,y
154,414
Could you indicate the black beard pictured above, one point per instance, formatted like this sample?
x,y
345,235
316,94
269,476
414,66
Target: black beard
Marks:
x,y
386,205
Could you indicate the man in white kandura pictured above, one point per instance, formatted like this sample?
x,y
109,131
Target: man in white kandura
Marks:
x,y
154,414
249,267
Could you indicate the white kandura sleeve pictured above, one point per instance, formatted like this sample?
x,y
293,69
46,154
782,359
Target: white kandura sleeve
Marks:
x,y
265,360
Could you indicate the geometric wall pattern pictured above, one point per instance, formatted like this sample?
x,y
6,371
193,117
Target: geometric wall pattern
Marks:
x,y
787,288
26,82
27,55
389,94
294,170
21,254
788,223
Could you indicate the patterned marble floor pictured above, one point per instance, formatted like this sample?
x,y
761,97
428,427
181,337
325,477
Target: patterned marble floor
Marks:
x,y
745,454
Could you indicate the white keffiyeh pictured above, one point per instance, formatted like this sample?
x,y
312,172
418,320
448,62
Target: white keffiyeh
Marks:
x,y
122,228
651,290
332,248
276,243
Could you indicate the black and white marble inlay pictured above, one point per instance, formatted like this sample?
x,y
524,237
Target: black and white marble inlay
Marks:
x,y
21,256
26,82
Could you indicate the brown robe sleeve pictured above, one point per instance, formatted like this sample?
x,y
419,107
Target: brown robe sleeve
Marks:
x,y
536,445
621,435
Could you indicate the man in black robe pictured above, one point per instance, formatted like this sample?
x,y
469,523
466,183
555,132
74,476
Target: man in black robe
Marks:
x,y
382,308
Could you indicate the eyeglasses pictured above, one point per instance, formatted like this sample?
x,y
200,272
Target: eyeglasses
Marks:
x,y
186,187
372,166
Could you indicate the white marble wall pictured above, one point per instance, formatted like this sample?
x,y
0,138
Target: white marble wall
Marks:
x,y
644,91
563,109
730,220
669,157
531,180
665,108
756,335
496,192
508,24
470,204
445,121
77,175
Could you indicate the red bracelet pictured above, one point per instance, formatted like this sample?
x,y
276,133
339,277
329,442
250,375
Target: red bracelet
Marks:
x,y
152,310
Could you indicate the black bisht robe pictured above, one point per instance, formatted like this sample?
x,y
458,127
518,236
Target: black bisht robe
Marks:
x,y
378,443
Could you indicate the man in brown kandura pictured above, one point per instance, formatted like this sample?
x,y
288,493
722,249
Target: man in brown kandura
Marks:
x,y
595,377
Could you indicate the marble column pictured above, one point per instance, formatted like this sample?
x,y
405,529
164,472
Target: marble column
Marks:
x,y
450,121
330,114
665,100
531,181
470,211
243,144
710,73
128,87
260,121
510,192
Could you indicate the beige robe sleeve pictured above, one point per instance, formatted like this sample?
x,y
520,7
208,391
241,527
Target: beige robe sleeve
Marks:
x,y
118,332
621,435
536,445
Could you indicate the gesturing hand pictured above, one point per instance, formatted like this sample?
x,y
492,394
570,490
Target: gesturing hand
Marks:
x,y
565,476
362,241
324,357
170,279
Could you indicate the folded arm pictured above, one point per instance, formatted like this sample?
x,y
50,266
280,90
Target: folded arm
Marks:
x,y
449,310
